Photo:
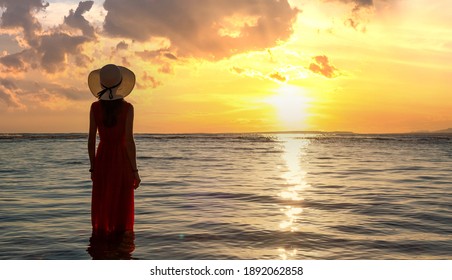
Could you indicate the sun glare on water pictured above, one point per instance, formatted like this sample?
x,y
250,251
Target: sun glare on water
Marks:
x,y
291,106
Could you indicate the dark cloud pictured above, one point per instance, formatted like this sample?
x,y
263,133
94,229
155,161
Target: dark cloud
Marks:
x,y
52,49
117,51
170,56
76,19
14,61
122,46
211,29
358,3
8,84
355,19
363,3
82,60
56,47
19,62
322,66
20,14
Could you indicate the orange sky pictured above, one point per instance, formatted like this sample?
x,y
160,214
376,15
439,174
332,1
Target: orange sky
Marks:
x,y
231,66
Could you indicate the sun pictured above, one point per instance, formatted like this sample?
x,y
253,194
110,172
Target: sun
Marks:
x,y
291,104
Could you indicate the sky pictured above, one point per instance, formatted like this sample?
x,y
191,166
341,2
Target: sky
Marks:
x,y
214,66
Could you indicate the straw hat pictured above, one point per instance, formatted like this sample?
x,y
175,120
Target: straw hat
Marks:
x,y
111,82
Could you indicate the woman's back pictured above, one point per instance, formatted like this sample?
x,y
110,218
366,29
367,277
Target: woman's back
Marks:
x,y
111,117
113,177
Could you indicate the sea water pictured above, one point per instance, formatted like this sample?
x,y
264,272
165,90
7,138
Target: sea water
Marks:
x,y
238,196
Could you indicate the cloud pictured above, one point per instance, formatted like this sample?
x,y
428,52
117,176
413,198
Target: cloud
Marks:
x,y
362,3
161,53
274,76
238,70
351,22
170,56
20,14
54,49
50,90
8,94
278,65
148,81
7,98
357,19
76,19
122,46
125,62
49,49
278,77
8,84
356,23
18,62
119,50
149,55
250,72
322,66
159,57
166,68
358,3
211,29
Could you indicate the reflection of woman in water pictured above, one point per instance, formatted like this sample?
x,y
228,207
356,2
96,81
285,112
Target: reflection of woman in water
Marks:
x,y
113,169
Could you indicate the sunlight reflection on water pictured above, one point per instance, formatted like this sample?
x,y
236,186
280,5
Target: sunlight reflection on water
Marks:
x,y
295,177
251,196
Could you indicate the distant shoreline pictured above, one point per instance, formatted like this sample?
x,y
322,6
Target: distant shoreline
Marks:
x,y
438,132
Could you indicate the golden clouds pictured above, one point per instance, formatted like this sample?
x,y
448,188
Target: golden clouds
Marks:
x,y
8,94
322,66
208,29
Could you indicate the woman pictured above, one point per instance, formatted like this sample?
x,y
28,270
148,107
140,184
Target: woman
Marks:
x,y
114,171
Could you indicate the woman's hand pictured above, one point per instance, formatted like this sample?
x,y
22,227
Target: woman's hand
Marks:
x,y
137,181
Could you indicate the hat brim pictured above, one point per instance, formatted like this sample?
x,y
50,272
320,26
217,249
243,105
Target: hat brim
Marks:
x,y
124,89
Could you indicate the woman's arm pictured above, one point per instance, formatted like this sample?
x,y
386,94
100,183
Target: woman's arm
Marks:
x,y
92,139
130,146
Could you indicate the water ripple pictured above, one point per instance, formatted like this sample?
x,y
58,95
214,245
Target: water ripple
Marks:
x,y
238,196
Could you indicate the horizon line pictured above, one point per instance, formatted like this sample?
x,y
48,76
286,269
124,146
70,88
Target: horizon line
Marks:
x,y
443,131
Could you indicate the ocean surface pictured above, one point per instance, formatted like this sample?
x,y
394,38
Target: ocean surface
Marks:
x,y
237,196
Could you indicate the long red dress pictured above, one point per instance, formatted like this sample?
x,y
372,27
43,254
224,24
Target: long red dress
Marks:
x,y
112,205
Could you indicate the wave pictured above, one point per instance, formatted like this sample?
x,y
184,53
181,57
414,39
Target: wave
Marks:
x,y
43,136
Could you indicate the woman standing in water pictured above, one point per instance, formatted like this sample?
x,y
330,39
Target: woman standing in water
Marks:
x,y
114,171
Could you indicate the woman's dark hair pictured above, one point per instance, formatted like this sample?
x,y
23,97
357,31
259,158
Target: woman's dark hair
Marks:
x,y
111,110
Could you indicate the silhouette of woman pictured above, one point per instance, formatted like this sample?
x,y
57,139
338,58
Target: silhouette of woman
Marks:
x,y
114,171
